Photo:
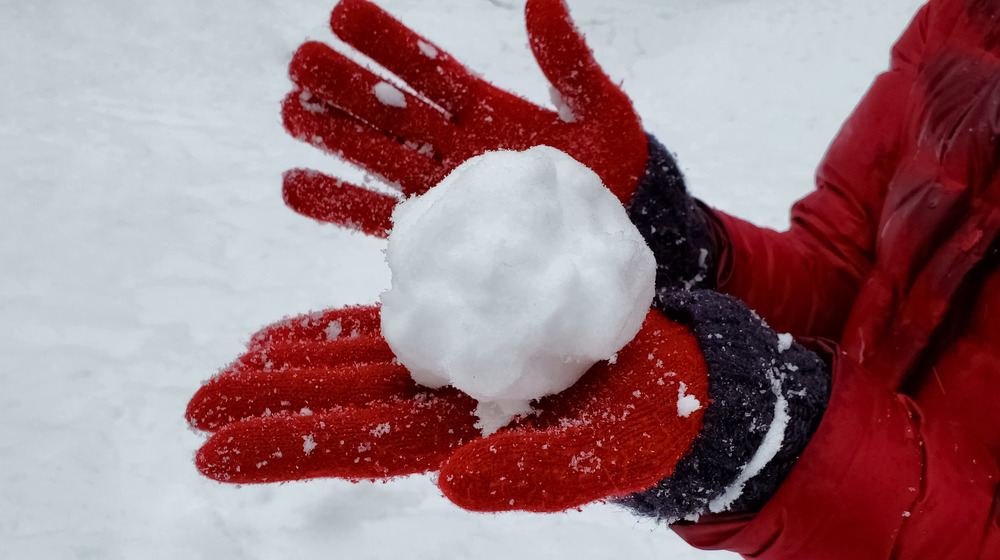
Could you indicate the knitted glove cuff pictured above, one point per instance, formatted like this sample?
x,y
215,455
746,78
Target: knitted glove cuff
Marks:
x,y
767,395
673,223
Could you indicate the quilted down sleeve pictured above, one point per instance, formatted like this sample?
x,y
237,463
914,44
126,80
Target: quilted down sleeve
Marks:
x,y
882,477
878,480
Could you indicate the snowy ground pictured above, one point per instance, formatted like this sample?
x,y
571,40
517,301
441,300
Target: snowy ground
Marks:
x,y
142,238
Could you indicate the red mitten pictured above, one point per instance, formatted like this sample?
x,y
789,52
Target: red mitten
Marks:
x,y
320,396
703,411
620,429
415,141
621,432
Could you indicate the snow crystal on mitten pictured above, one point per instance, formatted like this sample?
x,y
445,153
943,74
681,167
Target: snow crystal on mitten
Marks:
x,y
512,277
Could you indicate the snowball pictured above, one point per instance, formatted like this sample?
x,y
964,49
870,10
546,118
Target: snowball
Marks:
x,y
511,278
387,94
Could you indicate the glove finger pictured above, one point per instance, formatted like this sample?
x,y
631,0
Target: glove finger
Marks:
x,y
380,441
331,200
330,324
319,354
338,81
282,355
426,67
298,345
619,430
343,136
235,395
614,144
569,65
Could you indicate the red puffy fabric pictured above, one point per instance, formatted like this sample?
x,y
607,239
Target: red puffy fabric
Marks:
x,y
893,257
864,487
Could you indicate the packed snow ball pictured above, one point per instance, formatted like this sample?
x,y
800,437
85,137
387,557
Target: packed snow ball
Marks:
x,y
511,278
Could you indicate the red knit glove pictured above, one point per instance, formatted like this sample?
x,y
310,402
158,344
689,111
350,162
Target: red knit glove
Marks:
x,y
336,106
321,396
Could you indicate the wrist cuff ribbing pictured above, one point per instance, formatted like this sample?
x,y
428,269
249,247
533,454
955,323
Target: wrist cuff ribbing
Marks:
x,y
673,224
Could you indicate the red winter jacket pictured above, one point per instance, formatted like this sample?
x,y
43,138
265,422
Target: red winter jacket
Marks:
x,y
894,257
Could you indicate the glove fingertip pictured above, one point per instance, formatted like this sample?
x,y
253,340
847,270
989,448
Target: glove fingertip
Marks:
x,y
568,63
195,413
209,463
351,13
291,115
306,52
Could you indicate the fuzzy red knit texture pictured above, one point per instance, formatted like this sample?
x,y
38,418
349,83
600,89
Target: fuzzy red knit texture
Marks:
x,y
320,395
448,113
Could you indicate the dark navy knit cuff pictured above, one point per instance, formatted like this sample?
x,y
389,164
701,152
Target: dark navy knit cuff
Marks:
x,y
767,395
673,224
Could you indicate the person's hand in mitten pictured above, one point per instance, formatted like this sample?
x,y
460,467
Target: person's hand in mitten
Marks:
x,y
413,141
323,395
704,410
765,397
301,404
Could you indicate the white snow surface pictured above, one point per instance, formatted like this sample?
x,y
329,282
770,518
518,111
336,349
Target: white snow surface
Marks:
x,y
512,277
143,238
